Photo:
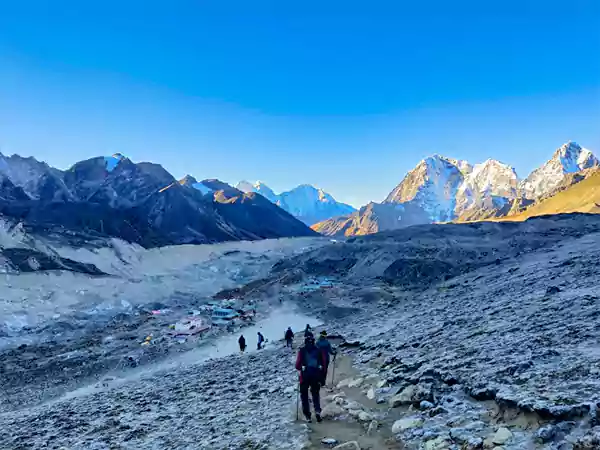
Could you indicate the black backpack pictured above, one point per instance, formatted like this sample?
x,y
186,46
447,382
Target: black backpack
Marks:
x,y
311,360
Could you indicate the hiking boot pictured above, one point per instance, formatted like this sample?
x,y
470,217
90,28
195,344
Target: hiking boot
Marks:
x,y
308,419
319,418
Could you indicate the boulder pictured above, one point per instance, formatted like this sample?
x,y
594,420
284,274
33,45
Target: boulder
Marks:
x,y
501,436
364,416
371,394
403,398
332,410
406,424
439,443
344,383
381,384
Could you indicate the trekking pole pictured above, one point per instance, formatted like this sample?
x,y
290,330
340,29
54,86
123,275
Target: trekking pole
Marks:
x,y
333,371
298,403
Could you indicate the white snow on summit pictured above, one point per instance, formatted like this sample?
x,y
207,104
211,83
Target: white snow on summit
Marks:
x,y
306,202
432,185
260,188
488,180
569,158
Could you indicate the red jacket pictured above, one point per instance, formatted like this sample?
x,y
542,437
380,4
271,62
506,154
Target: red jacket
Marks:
x,y
300,361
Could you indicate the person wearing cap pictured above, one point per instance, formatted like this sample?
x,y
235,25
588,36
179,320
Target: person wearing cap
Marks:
x,y
324,345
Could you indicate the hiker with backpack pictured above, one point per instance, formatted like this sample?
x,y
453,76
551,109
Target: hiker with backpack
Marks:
x,y
310,362
261,340
289,337
242,342
325,346
308,331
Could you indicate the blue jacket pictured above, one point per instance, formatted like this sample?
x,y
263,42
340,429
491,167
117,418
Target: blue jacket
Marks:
x,y
324,345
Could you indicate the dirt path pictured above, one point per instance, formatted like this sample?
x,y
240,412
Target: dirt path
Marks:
x,y
341,422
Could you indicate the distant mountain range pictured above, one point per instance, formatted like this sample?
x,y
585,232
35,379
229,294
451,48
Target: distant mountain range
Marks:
x,y
143,203
140,203
305,202
441,189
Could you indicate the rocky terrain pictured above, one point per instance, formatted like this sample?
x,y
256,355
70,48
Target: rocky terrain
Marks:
x,y
459,336
441,189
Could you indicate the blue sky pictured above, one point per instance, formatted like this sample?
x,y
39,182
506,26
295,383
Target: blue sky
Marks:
x,y
347,95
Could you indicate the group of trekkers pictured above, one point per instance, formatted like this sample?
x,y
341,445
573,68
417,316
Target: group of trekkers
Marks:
x,y
312,362
259,343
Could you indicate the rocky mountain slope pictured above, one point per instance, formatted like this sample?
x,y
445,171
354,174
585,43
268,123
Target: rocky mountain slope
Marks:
x,y
579,193
139,202
569,158
457,336
441,189
305,202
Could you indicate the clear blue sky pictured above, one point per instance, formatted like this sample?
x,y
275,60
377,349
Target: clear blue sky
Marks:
x,y
344,95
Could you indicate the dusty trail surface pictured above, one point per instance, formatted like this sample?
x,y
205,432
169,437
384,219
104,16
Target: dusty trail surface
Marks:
x,y
457,337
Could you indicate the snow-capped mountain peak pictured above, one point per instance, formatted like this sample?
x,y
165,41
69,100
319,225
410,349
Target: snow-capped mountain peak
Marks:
x,y
191,182
306,202
490,185
260,188
432,185
568,158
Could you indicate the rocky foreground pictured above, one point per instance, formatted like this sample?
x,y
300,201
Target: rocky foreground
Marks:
x,y
457,337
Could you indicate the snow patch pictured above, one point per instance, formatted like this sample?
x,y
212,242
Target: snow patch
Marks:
x,y
202,188
113,161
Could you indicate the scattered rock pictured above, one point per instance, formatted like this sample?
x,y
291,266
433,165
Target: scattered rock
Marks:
x,y
371,394
403,398
352,445
425,405
332,410
437,411
372,428
329,441
344,383
365,416
406,424
356,383
501,436
552,290
381,384
545,434
439,443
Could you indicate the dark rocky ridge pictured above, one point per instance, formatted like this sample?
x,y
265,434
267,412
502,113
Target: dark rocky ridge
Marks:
x,y
139,203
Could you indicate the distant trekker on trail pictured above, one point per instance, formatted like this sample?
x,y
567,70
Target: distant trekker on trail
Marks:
x,y
308,331
325,346
310,362
289,337
242,342
261,340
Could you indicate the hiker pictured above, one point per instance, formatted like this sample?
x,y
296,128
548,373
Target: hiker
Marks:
x,y
261,339
325,346
242,342
289,337
308,331
310,362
